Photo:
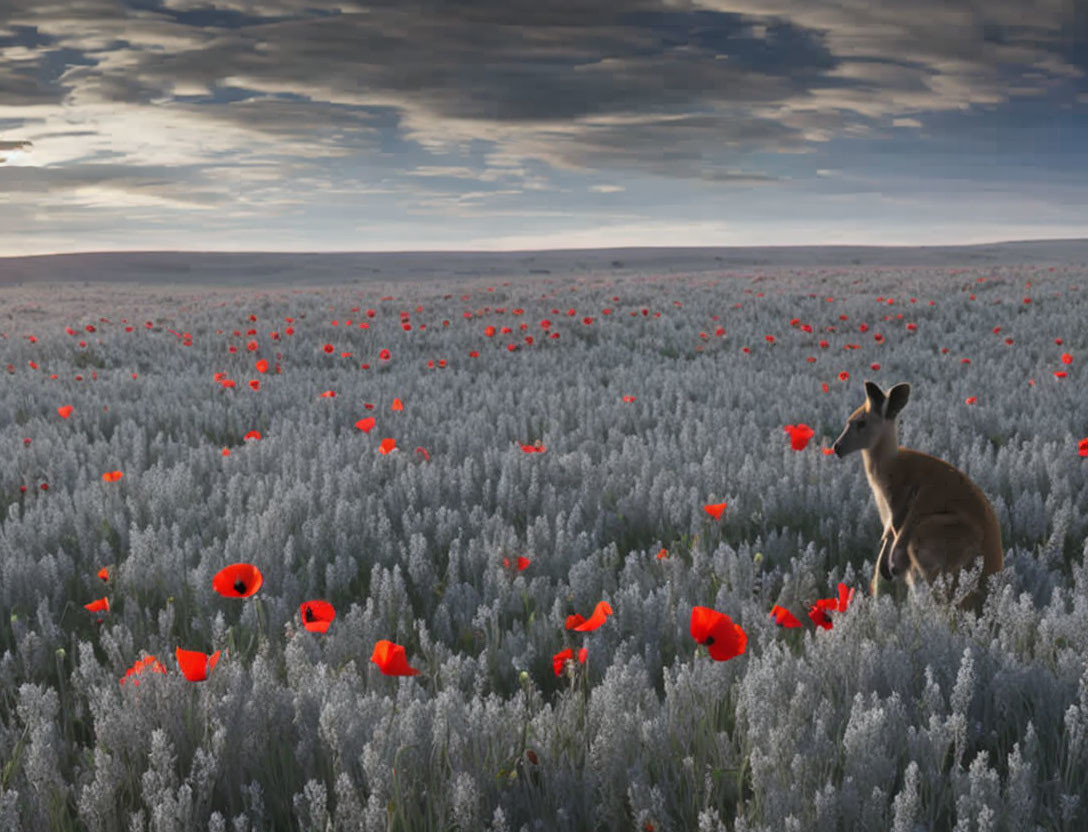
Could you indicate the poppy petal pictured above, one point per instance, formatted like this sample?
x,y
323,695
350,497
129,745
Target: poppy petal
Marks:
x,y
560,659
818,612
600,613
239,580
846,595
724,639
715,510
799,436
317,616
391,659
784,618
147,663
194,665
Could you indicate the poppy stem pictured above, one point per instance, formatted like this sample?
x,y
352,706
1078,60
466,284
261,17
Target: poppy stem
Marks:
x,y
260,619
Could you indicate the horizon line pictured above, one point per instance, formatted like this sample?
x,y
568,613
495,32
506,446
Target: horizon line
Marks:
x,y
550,250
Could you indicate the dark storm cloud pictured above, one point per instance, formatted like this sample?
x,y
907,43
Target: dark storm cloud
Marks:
x,y
690,91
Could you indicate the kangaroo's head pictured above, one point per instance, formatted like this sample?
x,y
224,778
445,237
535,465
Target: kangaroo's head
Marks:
x,y
873,421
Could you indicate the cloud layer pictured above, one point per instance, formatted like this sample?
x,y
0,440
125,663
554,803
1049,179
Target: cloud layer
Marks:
x,y
313,120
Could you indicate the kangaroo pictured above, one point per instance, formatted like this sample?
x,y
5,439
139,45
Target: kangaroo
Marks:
x,y
936,520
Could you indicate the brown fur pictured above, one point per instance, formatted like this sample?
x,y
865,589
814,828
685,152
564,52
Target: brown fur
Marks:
x,y
936,520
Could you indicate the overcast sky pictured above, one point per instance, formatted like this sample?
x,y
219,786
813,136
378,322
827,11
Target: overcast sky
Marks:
x,y
507,124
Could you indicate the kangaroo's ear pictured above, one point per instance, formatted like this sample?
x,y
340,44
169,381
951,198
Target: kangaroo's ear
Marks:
x,y
897,400
875,396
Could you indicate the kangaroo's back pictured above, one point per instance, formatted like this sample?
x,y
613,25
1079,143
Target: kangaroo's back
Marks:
x,y
942,488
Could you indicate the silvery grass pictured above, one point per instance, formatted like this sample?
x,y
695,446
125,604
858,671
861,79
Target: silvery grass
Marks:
x,y
908,715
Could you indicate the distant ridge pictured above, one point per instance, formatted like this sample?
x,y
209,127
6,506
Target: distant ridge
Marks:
x,y
243,268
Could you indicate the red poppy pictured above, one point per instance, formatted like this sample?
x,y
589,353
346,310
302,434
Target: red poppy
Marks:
x,y
391,659
253,434
367,424
328,348
535,448
971,400
397,405
329,394
628,399
846,596
1082,447
799,435
226,452
252,346
255,384
717,631
844,376
384,355
574,621
101,605
560,659
522,563
1060,374
194,665
423,452
112,476
104,574
664,553
827,451
317,616
65,411
784,618
262,366
600,613
769,339
715,510
387,446
474,354
818,612
239,580
146,663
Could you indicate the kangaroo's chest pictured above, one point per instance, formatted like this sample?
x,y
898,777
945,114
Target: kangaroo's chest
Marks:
x,y
881,497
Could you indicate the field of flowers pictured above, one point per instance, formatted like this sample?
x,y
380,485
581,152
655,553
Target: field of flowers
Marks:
x,y
461,555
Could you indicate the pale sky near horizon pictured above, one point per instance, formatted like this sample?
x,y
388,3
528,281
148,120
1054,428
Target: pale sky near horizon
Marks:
x,y
506,124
